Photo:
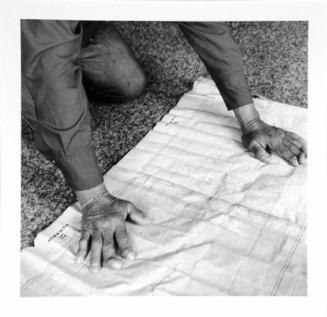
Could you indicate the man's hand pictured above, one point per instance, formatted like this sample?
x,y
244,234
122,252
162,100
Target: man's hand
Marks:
x,y
262,140
104,231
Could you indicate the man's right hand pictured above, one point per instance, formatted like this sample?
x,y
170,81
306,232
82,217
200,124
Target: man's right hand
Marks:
x,y
104,232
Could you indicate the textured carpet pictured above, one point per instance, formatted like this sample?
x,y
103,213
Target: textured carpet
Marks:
x,y
275,58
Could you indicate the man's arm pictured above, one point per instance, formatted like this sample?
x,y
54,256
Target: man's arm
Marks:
x,y
50,51
223,59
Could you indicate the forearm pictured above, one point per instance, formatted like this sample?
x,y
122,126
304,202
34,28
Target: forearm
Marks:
x,y
222,58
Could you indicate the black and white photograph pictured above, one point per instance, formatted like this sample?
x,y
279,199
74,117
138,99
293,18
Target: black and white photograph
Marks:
x,y
163,158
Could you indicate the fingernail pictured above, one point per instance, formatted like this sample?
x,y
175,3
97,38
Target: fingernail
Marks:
x,y
128,254
115,264
131,255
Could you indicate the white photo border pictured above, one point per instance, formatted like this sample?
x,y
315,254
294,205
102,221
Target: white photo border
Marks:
x,y
315,304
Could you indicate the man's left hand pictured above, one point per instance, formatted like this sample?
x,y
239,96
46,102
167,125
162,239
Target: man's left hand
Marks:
x,y
262,140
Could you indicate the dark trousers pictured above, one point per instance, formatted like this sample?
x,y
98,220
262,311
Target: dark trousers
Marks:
x,y
110,70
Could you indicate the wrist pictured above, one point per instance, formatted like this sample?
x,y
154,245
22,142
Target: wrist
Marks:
x,y
96,202
248,117
87,195
253,125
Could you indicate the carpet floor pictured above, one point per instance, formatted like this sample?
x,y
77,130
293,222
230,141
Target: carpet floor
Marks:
x,y
275,61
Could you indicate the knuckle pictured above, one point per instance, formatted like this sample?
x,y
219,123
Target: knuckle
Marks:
x,y
96,242
96,245
123,239
94,261
108,244
83,240
82,245
129,206
122,236
119,233
122,207
85,225
95,255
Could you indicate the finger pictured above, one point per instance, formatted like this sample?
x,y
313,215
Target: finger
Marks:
x,y
108,246
295,146
293,161
287,155
114,263
304,149
301,158
95,259
137,215
123,243
299,142
82,247
296,138
284,152
292,147
108,251
259,152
